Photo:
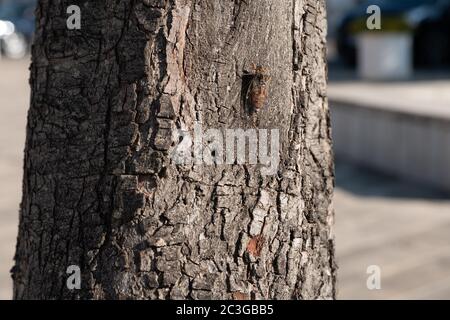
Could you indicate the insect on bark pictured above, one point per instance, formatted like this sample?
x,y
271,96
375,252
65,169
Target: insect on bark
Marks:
x,y
259,87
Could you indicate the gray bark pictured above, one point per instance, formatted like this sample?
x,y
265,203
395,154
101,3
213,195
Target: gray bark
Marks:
x,y
101,191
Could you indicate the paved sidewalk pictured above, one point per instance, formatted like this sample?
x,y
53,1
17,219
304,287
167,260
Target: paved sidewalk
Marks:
x,y
14,97
401,227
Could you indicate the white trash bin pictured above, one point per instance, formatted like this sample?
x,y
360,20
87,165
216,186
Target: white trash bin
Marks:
x,y
385,55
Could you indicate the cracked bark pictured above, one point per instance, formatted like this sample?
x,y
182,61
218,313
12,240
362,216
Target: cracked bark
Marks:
x,y
101,191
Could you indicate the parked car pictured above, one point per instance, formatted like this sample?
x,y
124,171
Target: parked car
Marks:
x,y
428,20
16,27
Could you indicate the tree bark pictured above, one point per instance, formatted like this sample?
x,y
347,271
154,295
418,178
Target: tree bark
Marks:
x,y
101,190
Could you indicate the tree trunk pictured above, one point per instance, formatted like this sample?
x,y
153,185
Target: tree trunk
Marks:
x,y
102,189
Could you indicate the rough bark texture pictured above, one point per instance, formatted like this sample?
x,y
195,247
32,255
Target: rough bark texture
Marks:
x,y
101,191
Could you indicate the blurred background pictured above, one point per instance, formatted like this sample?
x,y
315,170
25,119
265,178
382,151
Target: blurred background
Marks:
x,y
389,95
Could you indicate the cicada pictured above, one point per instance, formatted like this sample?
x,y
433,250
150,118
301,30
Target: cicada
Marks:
x,y
258,89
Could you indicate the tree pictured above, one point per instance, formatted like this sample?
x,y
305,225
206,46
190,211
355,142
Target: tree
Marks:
x,y
102,192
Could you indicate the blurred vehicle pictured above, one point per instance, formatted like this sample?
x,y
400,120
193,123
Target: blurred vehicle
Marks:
x,y
428,20
16,27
